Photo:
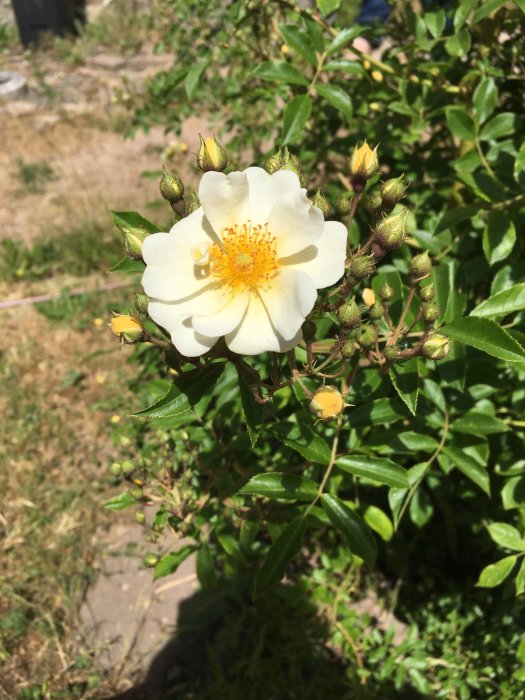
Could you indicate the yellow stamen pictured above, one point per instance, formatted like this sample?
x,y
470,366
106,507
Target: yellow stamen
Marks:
x,y
246,259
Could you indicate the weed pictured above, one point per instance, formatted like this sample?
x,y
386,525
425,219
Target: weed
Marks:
x,y
34,176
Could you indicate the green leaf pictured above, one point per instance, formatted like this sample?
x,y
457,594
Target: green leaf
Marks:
x,y
126,220
469,467
343,38
460,124
405,378
485,99
494,574
205,567
290,487
327,7
169,563
338,98
520,576
128,265
499,237
186,391
378,520
506,536
464,9
193,76
379,412
450,300
521,5
280,71
485,335
295,116
382,470
454,216
302,439
253,411
435,22
503,124
502,303
415,442
486,8
357,534
123,500
476,423
299,41
420,508
285,547
513,493
459,44
519,163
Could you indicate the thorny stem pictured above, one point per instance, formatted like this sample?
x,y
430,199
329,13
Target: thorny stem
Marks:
x,y
395,335
351,215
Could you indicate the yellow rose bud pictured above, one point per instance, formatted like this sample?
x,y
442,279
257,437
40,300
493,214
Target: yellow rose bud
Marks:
x,y
211,155
327,403
127,328
364,162
377,76
369,298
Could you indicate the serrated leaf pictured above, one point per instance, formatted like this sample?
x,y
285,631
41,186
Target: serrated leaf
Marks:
x,y
476,423
459,44
494,574
253,411
302,439
295,116
485,99
468,466
435,22
338,98
169,563
357,534
285,547
485,335
502,303
290,487
186,391
460,123
280,71
298,40
499,237
123,500
382,470
503,124
405,378
506,536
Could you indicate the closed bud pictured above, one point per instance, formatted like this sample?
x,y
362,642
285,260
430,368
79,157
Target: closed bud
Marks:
x,y
322,203
140,518
369,297
343,204
435,347
327,403
373,200
431,312
274,163
393,191
134,237
385,292
361,267
135,493
171,187
366,336
349,314
192,203
391,353
309,330
127,328
128,467
427,293
391,230
141,303
364,162
294,165
284,160
420,266
349,349
151,560
211,155
376,311
116,469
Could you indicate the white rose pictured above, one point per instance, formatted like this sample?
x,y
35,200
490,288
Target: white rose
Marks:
x,y
246,265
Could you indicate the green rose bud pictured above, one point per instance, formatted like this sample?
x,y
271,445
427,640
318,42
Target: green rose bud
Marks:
x,y
361,267
140,518
385,292
192,203
427,293
322,203
376,311
391,353
171,187
391,230
349,349
436,347
431,312
420,266
349,314
392,191
151,560
309,329
366,336
343,204
211,155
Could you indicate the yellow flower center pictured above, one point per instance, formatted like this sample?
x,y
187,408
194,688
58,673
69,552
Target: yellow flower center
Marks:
x,y
246,258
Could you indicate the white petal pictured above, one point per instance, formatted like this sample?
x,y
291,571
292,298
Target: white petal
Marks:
x,y
323,262
256,334
224,199
265,190
223,321
194,228
289,300
183,336
295,222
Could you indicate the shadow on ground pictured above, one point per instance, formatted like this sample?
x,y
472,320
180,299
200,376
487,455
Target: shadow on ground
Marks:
x,y
230,648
